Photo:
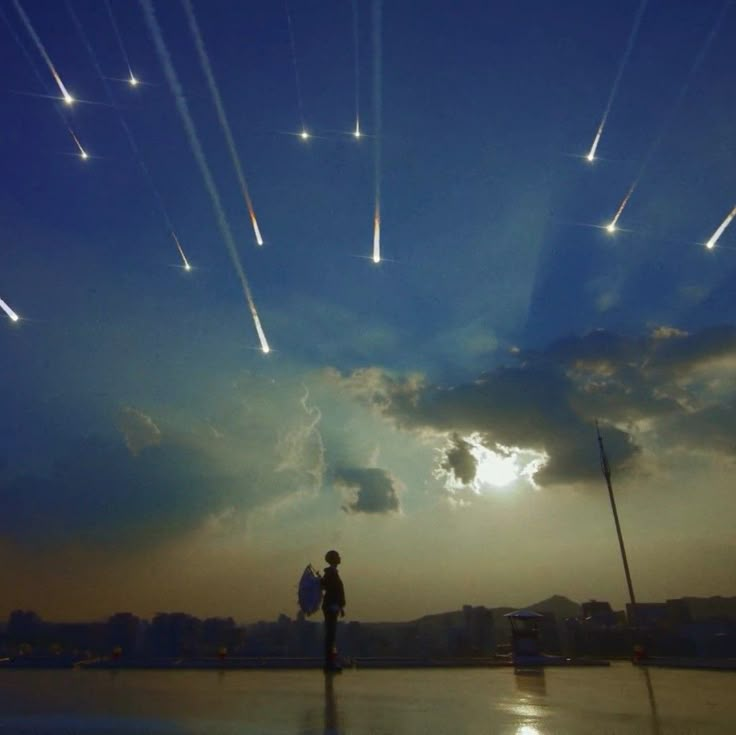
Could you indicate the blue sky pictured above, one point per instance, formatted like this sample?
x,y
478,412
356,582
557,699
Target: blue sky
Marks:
x,y
140,421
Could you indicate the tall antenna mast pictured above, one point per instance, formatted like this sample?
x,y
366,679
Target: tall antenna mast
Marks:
x,y
606,468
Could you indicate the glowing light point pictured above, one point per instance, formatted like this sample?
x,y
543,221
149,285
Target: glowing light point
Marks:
x,y
304,135
11,314
611,227
84,156
265,349
357,130
68,100
590,158
133,81
187,267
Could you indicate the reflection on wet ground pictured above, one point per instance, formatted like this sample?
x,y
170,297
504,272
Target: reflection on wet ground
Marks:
x,y
620,699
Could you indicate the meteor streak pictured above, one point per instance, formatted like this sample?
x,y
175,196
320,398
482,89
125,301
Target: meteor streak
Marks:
x,y
622,65
204,60
304,133
611,226
13,316
187,267
357,69
717,234
675,107
128,133
377,237
198,152
131,80
377,100
82,152
68,99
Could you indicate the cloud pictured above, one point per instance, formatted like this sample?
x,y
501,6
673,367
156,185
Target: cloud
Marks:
x,y
139,430
668,383
368,490
169,474
459,460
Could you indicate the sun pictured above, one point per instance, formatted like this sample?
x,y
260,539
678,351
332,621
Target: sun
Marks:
x,y
497,469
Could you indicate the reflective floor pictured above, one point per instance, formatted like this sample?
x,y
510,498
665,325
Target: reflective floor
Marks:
x,y
619,699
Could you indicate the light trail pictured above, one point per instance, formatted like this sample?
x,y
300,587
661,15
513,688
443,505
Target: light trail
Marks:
x,y
187,267
377,110
717,234
68,99
667,120
82,152
132,79
204,60
614,89
613,224
11,314
304,134
198,152
377,236
356,133
41,80
128,133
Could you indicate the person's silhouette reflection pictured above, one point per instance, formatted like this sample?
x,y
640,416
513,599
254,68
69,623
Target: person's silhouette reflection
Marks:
x,y
331,723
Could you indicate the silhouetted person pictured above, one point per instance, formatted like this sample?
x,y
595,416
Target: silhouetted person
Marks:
x,y
333,604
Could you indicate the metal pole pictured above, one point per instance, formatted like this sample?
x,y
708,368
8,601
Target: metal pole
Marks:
x,y
607,474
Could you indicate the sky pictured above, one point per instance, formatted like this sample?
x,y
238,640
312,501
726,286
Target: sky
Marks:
x,y
431,416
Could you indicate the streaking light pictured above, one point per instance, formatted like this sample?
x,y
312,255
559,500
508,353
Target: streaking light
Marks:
x,y
357,129
209,73
68,99
256,229
617,81
377,237
611,227
717,234
83,154
187,267
11,314
133,81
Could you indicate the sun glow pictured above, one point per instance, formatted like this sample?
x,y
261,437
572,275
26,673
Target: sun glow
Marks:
x,y
495,469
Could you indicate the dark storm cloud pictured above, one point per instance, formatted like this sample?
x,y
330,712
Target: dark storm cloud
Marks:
x,y
550,398
370,490
459,460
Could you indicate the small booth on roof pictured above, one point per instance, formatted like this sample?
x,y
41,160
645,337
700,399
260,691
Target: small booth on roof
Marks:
x,y
525,634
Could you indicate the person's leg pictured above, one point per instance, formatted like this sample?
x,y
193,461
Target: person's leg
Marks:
x,y
330,635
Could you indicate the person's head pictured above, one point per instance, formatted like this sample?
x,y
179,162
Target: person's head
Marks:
x,y
332,557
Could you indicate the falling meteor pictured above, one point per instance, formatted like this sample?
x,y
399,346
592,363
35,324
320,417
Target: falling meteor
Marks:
x,y
68,99
377,100
377,237
304,135
131,79
198,152
82,152
617,80
222,116
717,234
187,267
611,227
356,133
13,316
